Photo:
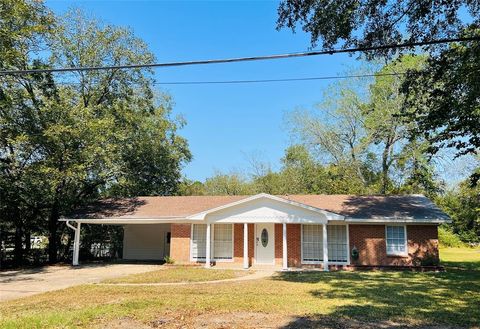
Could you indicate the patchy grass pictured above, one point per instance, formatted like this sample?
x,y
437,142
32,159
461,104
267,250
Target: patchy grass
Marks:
x,y
311,299
461,258
179,274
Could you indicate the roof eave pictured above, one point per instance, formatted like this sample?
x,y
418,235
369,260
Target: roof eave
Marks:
x,y
127,220
398,220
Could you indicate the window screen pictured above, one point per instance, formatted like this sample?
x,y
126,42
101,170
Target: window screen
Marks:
x,y
337,243
312,243
396,240
199,236
222,245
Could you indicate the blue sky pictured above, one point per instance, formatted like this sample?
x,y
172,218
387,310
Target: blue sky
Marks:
x,y
229,124
226,124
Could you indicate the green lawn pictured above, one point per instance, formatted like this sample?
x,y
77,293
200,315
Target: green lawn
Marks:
x,y
304,299
179,274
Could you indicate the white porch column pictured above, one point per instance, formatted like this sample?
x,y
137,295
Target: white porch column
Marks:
x,y
245,246
207,247
284,245
325,248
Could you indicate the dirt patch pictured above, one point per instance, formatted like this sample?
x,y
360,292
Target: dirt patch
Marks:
x,y
244,320
124,323
205,320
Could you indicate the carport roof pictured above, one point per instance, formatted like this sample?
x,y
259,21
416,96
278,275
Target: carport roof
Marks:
x,y
355,208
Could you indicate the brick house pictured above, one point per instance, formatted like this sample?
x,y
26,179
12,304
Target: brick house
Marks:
x,y
287,231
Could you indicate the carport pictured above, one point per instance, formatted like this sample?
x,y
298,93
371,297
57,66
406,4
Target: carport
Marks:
x,y
144,239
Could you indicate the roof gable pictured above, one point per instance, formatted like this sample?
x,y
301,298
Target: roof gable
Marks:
x,y
267,207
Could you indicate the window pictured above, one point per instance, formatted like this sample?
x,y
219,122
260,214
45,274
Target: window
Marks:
x,y
396,240
312,243
337,243
199,238
222,241
221,244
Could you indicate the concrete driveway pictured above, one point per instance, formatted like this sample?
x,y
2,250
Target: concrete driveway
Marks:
x,y
21,283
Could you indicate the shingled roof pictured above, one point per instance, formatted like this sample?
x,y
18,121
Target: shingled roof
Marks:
x,y
415,207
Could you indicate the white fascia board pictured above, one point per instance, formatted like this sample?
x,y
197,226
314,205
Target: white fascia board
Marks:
x,y
329,215
120,221
398,220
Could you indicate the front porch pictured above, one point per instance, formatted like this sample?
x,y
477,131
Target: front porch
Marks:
x,y
267,245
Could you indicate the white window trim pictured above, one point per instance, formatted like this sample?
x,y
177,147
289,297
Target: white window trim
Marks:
x,y
405,253
212,251
321,261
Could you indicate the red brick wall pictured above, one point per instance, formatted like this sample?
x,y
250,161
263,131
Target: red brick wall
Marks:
x,y
238,243
369,240
422,240
371,245
180,243
294,245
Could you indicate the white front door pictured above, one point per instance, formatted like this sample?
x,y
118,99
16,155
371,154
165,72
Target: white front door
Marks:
x,y
265,243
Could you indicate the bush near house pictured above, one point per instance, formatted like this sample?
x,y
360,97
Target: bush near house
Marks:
x,y
446,238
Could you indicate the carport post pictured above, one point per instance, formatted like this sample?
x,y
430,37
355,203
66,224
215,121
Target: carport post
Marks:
x,y
76,242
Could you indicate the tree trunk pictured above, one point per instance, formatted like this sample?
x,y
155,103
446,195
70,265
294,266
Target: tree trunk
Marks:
x,y
52,234
28,242
18,253
385,168
1,247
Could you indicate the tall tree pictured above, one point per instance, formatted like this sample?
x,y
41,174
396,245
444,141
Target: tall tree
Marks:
x,y
89,133
444,98
336,129
227,184
24,29
383,122
372,23
462,204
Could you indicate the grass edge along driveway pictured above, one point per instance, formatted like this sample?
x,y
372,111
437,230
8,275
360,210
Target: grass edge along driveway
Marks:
x,y
176,274
450,298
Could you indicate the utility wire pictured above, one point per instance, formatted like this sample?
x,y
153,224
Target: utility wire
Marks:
x,y
278,80
243,59
332,77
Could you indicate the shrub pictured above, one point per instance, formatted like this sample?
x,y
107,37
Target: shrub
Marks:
x,y
447,238
168,260
429,260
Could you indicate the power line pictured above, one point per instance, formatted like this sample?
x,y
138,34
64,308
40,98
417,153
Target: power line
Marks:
x,y
278,80
331,77
243,59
